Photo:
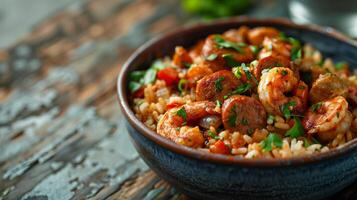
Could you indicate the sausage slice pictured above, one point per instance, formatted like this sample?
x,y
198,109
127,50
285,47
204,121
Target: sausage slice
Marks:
x,y
243,114
270,62
215,86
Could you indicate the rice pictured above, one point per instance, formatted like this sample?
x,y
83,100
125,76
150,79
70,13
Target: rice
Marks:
x,y
158,98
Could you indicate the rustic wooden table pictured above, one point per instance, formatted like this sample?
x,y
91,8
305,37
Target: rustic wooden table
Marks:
x,y
61,130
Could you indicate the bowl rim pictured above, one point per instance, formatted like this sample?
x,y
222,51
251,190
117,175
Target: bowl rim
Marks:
x,y
218,158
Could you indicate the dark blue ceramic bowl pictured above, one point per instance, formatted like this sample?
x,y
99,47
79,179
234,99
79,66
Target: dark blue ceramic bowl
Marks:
x,y
211,176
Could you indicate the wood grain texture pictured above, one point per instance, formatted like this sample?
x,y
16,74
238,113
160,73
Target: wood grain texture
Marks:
x,y
61,131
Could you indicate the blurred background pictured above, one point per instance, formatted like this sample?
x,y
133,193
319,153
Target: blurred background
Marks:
x,y
17,17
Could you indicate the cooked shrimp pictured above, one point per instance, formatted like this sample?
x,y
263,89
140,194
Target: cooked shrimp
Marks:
x,y
197,72
270,62
275,84
328,118
327,86
177,124
237,35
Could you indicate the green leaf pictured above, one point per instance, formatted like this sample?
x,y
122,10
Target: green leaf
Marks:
x,y
295,54
218,84
316,106
236,72
241,89
211,57
134,86
181,85
218,103
230,60
340,65
270,119
222,43
187,65
254,49
297,130
158,65
306,143
137,75
285,109
249,75
213,135
182,113
150,76
273,140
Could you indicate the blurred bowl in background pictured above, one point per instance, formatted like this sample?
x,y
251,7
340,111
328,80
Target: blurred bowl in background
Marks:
x,y
341,14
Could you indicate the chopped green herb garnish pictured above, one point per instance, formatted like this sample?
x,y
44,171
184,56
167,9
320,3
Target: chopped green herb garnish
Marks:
x,y
297,130
230,60
283,37
254,49
137,75
218,103
315,107
186,64
270,119
340,65
244,121
218,84
250,131
134,86
306,143
149,77
212,135
241,89
182,113
211,57
285,109
222,43
295,54
158,65
236,72
284,72
273,140
249,75
181,85
321,63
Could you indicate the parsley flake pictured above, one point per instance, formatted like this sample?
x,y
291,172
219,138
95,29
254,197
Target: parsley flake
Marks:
x,y
249,75
244,121
297,130
315,107
222,43
211,57
213,135
233,117
230,60
181,85
182,113
240,89
273,140
340,65
218,103
218,84
285,109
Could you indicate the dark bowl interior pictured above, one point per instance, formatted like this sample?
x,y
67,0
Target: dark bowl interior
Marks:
x,y
331,43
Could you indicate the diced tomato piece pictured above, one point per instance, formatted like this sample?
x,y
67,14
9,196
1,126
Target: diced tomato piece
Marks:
x,y
173,105
219,147
169,75
139,93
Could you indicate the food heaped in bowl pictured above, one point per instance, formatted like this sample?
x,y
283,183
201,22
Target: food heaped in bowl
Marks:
x,y
204,175
249,92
